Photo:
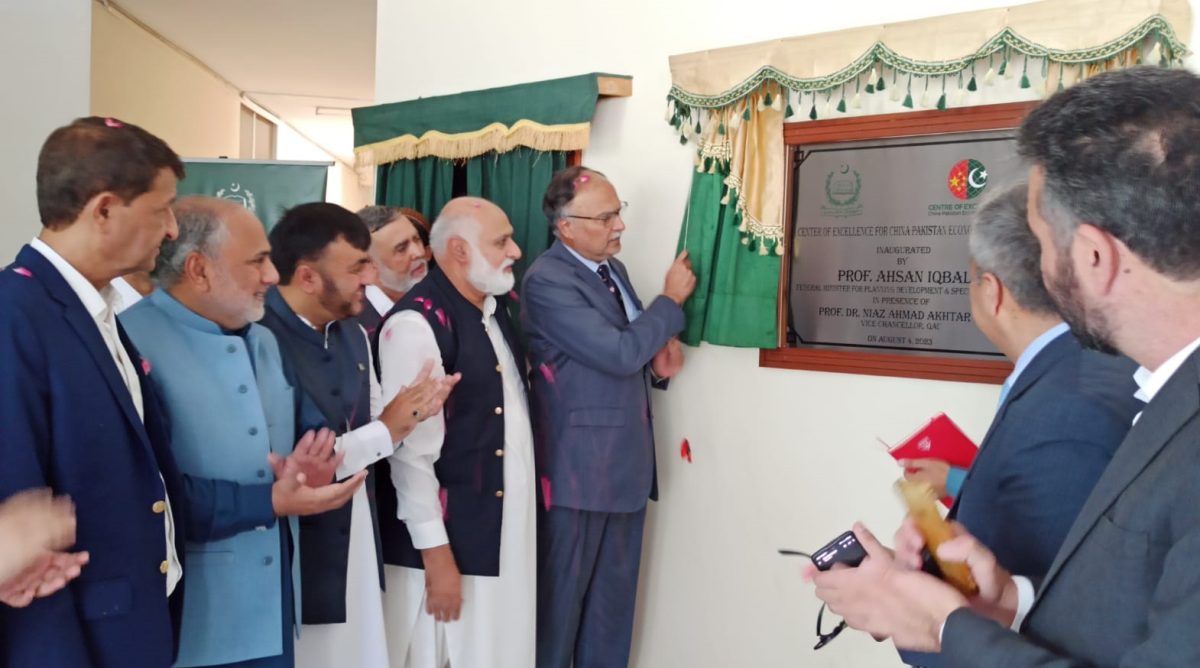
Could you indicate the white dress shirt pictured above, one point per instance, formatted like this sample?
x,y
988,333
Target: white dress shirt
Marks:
x,y
129,296
103,305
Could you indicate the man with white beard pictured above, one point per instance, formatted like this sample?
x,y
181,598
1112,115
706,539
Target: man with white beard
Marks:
x,y
399,256
460,543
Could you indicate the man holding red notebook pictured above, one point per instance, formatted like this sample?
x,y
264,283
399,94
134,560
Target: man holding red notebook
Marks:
x,y
1063,411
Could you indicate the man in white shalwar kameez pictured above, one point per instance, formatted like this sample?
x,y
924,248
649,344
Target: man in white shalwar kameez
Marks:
x,y
465,593
321,252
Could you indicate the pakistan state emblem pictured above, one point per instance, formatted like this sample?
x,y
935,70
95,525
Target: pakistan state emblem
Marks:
x,y
236,193
843,186
967,179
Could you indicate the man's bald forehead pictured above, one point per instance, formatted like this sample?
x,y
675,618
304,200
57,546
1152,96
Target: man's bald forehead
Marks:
x,y
475,207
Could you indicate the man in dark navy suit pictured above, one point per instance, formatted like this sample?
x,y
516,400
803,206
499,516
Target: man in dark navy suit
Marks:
x,y
1063,409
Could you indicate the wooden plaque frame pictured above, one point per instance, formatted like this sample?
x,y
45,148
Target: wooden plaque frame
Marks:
x,y
909,124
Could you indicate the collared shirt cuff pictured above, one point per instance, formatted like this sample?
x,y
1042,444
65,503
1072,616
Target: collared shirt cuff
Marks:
x,y
257,505
1025,596
954,480
364,446
426,535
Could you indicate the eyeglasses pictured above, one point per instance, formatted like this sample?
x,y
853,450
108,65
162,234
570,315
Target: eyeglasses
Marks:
x,y
605,218
823,639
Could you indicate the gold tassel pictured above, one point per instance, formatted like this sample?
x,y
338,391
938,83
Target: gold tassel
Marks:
x,y
779,247
743,228
725,197
857,101
990,77
762,247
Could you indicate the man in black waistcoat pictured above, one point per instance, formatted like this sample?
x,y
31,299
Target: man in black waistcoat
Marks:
x,y
320,251
460,543
398,251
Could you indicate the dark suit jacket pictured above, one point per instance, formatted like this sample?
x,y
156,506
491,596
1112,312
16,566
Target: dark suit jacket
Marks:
x,y
1048,444
67,422
590,378
1124,589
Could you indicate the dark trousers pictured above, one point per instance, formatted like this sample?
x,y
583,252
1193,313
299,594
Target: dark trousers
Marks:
x,y
587,587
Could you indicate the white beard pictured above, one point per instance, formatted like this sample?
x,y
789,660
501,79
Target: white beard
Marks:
x,y
394,281
488,279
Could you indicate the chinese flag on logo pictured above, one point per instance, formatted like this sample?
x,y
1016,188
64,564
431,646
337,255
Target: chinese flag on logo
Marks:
x,y
957,180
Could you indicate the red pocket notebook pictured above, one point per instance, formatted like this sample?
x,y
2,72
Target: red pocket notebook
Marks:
x,y
940,439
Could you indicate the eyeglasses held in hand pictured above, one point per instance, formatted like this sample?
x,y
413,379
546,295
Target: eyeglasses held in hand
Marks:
x,y
823,639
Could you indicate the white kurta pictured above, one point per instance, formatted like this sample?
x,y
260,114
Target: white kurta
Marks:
x,y
496,627
362,640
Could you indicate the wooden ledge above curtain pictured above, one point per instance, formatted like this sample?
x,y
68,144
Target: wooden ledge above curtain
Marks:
x,y
552,115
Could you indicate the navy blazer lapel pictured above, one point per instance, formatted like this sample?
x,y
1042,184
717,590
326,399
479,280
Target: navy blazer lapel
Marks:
x,y
591,280
85,327
1045,360
1174,406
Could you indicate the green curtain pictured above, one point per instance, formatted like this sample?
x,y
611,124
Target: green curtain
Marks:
x,y
516,182
425,184
736,298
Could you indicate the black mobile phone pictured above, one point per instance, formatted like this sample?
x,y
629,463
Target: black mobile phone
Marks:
x,y
845,549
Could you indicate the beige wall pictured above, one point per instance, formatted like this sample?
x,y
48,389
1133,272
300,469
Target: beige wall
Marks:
x,y
139,79
44,54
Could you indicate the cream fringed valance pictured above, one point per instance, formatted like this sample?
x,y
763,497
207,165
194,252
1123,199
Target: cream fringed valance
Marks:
x,y
1049,44
732,103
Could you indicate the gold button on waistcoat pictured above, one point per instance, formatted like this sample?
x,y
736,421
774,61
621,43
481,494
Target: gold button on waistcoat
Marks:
x,y
159,507
499,410
500,452
164,567
499,493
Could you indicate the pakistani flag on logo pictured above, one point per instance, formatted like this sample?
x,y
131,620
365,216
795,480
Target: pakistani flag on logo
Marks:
x,y
967,179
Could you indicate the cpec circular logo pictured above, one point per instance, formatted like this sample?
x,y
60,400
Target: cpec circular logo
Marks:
x,y
967,179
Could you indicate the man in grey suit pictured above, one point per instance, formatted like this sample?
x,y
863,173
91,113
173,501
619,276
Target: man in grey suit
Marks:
x,y
594,349
1113,204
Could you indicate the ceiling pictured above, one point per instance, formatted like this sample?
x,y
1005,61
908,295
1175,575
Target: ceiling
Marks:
x,y
288,56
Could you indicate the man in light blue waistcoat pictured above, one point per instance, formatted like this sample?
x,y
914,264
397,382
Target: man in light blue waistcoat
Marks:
x,y
232,415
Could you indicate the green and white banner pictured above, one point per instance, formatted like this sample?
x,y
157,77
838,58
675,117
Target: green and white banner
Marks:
x,y
266,187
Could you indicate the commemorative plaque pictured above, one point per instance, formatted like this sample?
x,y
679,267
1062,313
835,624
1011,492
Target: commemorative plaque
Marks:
x,y
879,246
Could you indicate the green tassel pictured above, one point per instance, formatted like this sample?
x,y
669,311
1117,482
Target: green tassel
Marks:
x,y
789,112
870,89
812,113
683,140
907,101
767,100
746,113
841,107
721,128
941,103
971,84
1003,68
1061,87
753,245
698,129
1024,80
879,85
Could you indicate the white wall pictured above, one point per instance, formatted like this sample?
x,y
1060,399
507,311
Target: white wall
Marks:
x,y
44,55
343,185
781,458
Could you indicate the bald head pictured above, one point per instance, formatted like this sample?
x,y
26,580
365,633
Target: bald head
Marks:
x,y
472,241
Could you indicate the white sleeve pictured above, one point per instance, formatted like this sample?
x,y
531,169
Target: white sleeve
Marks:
x,y
371,442
1025,596
406,341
